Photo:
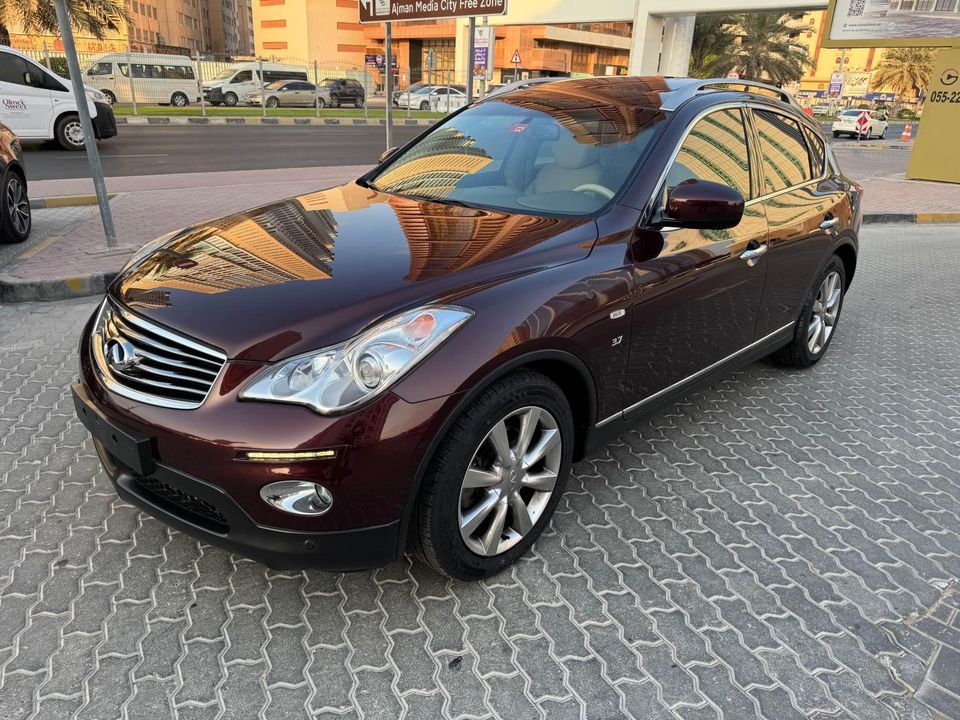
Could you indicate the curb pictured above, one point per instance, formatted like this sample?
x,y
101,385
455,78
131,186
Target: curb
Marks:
x,y
65,201
244,120
16,290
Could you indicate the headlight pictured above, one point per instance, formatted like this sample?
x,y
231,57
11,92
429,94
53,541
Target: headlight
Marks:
x,y
96,96
148,249
344,376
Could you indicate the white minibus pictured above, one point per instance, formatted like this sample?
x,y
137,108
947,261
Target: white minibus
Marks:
x,y
233,84
161,79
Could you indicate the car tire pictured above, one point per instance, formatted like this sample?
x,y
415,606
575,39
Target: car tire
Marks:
x,y
230,99
802,352
178,99
358,103
111,98
68,132
883,135
319,103
272,102
334,102
424,105
16,219
836,133
440,526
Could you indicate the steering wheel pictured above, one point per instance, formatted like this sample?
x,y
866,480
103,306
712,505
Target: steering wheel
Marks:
x,y
599,189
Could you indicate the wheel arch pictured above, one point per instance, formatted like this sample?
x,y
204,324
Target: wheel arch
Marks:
x,y
563,367
848,256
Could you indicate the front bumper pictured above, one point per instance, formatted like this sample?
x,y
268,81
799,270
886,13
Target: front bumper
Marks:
x,y
104,124
213,94
206,511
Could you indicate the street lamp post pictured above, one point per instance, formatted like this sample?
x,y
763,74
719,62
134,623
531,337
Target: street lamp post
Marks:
x,y
89,139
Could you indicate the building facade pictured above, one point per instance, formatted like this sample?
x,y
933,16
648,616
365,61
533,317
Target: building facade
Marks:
x,y
326,31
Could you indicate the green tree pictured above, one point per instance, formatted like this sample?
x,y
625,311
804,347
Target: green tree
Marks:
x,y
96,17
765,49
713,37
906,70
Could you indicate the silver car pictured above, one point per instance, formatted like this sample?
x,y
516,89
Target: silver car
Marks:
x,y
290,93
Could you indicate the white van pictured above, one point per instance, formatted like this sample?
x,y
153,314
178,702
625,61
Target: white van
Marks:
x,y
161,79
236,82
39,105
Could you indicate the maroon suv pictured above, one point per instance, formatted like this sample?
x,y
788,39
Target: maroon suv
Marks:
x,y
413,360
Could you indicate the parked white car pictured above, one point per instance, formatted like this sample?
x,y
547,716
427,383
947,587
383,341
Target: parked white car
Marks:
x,y
161,79
442,100
847,124
234,84
37,104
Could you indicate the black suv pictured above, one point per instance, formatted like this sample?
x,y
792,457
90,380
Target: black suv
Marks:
x,y
343,92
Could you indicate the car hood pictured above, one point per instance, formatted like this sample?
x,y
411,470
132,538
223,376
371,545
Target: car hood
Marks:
x,y
311,271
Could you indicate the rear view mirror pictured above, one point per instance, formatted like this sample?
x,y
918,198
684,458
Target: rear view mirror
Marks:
x,y
703,205
388,153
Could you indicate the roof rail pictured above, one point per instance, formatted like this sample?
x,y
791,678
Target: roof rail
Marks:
x,y
521,85
696,86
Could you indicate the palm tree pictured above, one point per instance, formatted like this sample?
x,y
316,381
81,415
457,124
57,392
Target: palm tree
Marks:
x,y
766,49
906,70
96,17
713,37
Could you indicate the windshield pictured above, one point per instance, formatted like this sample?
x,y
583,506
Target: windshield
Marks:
x,y
225,74
524,155
416,87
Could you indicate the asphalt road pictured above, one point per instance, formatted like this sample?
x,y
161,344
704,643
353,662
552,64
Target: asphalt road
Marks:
x,y
156,150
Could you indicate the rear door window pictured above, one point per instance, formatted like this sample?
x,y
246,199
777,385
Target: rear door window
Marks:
x,y
817,152
786,161
715,150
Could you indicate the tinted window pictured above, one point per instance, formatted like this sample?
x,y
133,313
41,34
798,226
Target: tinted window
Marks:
x,y
715,150
243,76
785,159
101,68
817,152
13,69
493,155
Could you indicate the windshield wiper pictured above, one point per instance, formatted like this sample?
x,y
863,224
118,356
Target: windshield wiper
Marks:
x,y
435,199
363,182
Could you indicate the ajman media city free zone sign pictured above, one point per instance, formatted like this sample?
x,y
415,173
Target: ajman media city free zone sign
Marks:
x,y
372,11
892,23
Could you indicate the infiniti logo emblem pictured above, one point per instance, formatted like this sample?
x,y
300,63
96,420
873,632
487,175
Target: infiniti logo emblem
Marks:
x,y
121,355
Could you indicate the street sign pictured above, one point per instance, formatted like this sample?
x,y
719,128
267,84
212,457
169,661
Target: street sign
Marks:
x,y
376,11
483,51
516,57
862,122
836,84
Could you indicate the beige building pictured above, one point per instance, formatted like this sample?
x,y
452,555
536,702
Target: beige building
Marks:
x,y
306,30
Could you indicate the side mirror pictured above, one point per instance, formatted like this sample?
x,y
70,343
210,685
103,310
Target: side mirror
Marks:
x,y
703,205
388,153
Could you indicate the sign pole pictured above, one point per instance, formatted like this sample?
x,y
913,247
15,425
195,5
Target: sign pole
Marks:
x,y
471,60
89,139
388,85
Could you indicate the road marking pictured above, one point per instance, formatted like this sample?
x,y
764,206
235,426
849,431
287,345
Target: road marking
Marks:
x,y
103,156
42,245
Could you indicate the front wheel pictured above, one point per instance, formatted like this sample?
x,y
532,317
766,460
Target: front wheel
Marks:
x,y
178,99
836,133
272,102
818,320
111,98
358,103
496,478
16,221
230,99
69,132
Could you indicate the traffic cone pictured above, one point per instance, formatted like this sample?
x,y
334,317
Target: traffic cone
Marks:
x,y
907,133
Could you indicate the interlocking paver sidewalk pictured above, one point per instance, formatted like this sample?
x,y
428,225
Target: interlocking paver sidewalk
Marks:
x,y
148,206
782,545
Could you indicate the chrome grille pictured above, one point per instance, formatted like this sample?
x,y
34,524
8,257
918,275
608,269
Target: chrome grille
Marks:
x,y
147,362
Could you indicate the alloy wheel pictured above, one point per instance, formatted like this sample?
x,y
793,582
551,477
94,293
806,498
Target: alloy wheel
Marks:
x,y
18,205
73,132
826,309
510,480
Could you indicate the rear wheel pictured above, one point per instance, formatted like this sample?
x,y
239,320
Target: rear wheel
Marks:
x,y
178,99
320,103
818,320
496,478
15,208
424,105
69,133
230,99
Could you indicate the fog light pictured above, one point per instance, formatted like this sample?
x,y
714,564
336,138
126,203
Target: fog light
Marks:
x,y
297,497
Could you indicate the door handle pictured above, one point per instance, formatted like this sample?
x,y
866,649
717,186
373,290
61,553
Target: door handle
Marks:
x,y
753,253
829,223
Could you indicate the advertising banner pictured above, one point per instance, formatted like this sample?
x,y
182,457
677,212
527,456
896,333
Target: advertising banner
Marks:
x,y
483,52
936,153
836,84
856,84
891,23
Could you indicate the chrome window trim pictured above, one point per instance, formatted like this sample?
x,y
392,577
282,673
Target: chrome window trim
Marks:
x,y
103,372
654,202
694,377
